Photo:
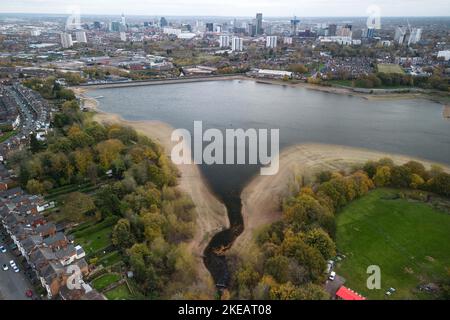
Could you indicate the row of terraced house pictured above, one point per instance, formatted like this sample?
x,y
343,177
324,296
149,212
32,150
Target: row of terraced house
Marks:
x,y
50,253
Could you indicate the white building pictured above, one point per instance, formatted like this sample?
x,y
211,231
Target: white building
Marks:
x,y
344,32
346,41
237,44
287,40
172,31
224,41
66,40
400,33
35,32
123,36
414,37
186,35
274,73
271,41
80,36
444,54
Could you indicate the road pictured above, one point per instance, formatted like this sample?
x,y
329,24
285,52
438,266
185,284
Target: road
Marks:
x,y
12,285
332,286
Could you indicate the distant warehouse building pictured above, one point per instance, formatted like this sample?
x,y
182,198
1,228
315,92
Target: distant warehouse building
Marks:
x,y
267,73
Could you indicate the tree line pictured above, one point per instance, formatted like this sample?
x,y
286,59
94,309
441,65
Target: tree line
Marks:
x,y
129,179
293,252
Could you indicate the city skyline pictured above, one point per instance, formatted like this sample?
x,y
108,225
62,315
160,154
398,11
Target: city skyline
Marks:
x,y
230,8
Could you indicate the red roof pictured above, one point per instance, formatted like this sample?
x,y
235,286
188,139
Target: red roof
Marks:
x,y
347,294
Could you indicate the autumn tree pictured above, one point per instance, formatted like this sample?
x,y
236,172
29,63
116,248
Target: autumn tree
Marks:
x,y
35,187
278,268
319,239
383,176
76,206
109,150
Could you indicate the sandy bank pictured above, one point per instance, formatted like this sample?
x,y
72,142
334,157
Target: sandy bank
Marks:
x,y
394,95
261,198
86,101
211,213
446,112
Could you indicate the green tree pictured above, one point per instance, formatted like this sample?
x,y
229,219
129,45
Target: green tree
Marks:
x,y
440,184
400,177
107,202
319,239
35,187
416,181
311,291
383,176
121,234
77,206
278,268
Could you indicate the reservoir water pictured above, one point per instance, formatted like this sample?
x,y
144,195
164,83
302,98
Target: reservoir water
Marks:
x,y
410,127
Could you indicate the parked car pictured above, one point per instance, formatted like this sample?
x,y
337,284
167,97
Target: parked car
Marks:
x,y
330,265
12,263
16,269
5,267
390,291
332,276
29,293
2,249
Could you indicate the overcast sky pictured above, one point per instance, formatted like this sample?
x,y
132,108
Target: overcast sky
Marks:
x,y
301,8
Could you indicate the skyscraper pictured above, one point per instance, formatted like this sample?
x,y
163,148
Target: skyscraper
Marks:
x,y
345,31
259,28
80,36
400,33
414,37
271,42
115,26
294,23
66,40
251,29
163,22
332,29
237,44
370,33
123,21
287,40
209,27
224,41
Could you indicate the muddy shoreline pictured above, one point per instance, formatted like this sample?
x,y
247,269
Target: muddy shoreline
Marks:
x,y
222,230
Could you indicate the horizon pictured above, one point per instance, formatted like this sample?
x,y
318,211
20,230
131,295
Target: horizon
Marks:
x,y
212,16
231,8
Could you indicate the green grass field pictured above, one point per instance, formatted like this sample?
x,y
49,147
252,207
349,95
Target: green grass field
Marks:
x,y
105,280
390,68
109,259
407,240
96,241
94,237
7,135
119,293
